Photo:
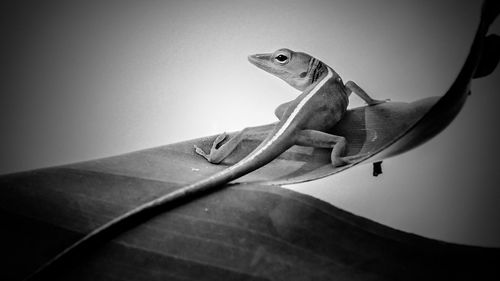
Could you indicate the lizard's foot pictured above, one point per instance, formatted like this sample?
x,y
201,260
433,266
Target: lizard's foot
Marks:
x,y
346,160
200,151
213,150
374,102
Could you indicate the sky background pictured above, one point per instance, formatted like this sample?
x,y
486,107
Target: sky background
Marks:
x,y
90,79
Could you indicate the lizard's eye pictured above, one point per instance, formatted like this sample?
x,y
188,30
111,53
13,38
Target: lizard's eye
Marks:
x,y
281,59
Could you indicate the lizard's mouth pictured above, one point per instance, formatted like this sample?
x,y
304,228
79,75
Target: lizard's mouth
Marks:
x,y
263,61
260,60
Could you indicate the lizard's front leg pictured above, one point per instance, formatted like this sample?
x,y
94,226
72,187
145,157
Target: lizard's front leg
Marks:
x,y
220,151
320,139
353,87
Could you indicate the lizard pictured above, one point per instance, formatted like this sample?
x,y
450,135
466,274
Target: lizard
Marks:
x,y
304,120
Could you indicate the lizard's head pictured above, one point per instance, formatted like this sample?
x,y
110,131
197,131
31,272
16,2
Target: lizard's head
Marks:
x,y
300,70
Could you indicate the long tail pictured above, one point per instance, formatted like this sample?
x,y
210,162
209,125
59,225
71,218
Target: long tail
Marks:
x,y
268,150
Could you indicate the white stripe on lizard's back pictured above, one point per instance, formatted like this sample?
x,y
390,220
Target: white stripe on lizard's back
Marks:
x,y
287,122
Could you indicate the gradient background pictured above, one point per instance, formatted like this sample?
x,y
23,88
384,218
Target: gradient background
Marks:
x,y
89,79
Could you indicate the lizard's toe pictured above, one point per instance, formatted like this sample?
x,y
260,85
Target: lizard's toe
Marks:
x,y
200,151
375,102
354,158
339,162
346,160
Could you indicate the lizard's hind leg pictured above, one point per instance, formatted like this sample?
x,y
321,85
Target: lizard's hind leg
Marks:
x,y
320,139
220,151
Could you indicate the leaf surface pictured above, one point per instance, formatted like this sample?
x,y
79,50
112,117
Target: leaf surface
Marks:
x,y
244,232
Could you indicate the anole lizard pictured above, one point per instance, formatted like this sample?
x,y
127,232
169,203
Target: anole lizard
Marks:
x,y
304,120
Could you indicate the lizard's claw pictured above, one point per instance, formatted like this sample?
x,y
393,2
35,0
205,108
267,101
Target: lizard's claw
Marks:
x,y
374,102
200,151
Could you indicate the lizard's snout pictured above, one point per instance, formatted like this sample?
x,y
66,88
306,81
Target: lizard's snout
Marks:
x,y
259,58
262,61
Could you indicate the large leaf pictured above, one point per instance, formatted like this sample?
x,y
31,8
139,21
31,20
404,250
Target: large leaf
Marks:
x,y
245,232
248,231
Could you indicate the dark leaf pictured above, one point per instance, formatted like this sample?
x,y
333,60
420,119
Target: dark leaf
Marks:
x,y
489,57
245,232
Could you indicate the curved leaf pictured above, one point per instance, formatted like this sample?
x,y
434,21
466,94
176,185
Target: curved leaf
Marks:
x,y
248,231
245,232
